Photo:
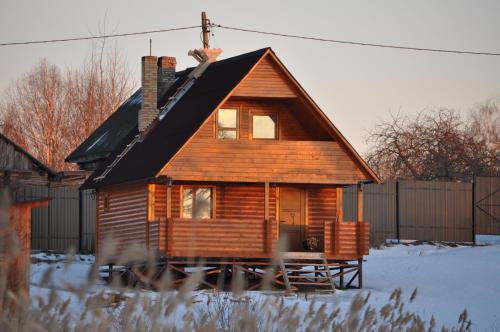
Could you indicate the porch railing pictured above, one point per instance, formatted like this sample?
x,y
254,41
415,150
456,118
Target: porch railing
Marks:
x,y
221,237
346,239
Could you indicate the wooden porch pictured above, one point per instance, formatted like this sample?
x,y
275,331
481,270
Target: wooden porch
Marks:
x,y
290,271
250,238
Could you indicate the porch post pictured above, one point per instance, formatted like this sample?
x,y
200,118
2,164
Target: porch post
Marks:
x,y
360,202
168,223
267,228
169,201
266,201
340,211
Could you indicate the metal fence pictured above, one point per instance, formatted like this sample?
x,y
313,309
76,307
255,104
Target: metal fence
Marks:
x,y
67,222
413,210
487,203
425,210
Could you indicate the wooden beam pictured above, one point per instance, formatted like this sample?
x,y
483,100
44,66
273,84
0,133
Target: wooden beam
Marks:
x,y
360,202
266,201
340,211
151,202
97,221
169,202
168,222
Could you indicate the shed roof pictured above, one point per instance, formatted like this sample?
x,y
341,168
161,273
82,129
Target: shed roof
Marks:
x,y
37,163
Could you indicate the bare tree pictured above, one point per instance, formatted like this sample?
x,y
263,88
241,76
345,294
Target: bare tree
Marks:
x,y
96,90
435,145
34,113
485,128
49,112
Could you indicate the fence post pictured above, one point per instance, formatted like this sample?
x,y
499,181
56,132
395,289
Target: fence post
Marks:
x,y
80,221
48,218
398,236
473,209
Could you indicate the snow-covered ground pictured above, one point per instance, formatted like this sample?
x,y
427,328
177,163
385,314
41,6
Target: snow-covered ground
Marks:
x,y
448,279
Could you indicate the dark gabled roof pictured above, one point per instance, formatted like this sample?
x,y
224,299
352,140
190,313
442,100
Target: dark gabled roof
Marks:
x,y
41,166
145,160
110,133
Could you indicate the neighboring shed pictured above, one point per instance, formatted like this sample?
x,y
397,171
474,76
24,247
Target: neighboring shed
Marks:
x,y
15,232
18,169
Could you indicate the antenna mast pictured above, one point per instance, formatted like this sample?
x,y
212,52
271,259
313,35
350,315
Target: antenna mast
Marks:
x,y
205,27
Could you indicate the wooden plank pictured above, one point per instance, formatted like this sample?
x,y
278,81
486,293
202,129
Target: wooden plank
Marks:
x,y
297,161
169,202
266,80
266,201
360,202
127,214
340,210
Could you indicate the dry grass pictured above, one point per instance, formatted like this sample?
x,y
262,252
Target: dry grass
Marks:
x,y
90,307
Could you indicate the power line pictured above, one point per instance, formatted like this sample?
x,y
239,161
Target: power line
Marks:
x,y
277,34
411,48
98,37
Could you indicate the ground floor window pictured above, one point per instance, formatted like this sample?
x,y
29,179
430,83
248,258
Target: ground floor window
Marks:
x,y
197,203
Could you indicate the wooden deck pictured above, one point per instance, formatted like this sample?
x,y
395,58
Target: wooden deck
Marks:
x,y
290,273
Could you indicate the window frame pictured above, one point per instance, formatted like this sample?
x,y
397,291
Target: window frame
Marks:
x,y
236,129
194,188
274,115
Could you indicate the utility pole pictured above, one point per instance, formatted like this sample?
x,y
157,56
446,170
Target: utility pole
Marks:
x,y
205,24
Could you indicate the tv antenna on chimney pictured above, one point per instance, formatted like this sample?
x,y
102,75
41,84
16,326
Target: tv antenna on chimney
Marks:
x,y
205,28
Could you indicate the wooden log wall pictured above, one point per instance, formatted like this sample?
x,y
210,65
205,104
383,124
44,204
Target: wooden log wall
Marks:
x,y
302,152
322,205
244,202
122,214
266,80
263,161
346,240
245,238
231,201
158,219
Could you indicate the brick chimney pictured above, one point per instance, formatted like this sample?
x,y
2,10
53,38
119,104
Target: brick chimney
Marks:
x,y
166,73
149,106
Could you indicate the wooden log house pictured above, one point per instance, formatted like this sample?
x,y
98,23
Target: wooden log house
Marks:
x,y
222,160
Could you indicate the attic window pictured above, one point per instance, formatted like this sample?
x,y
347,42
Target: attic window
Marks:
x,y
264,127
227,123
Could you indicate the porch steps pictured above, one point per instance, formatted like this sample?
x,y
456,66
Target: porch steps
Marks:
x,y
306,270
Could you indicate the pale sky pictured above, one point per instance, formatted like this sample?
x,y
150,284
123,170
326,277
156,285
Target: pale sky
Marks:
x,y
355,86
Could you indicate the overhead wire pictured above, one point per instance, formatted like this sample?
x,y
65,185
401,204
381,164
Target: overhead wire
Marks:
x,y
98,37
269,33
410,48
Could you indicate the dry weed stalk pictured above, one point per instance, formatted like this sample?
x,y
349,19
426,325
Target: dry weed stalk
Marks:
x,y
92,306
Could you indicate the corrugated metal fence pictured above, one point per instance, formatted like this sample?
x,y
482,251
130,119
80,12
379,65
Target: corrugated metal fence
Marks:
x,y
488,205
424,210
57,227
433,211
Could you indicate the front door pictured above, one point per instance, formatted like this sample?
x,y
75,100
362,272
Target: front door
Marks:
x,y
291,216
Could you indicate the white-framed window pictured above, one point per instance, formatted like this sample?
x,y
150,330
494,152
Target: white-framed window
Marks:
x,y
227,123
264,126
197,202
